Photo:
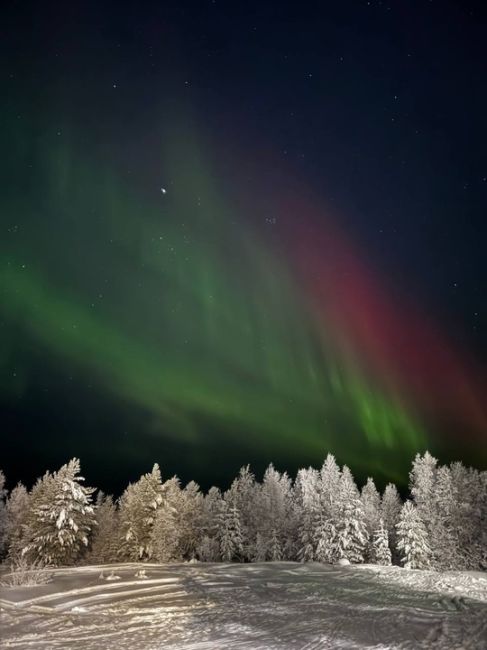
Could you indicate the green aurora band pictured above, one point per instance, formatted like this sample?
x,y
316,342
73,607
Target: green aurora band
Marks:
x,y
177,304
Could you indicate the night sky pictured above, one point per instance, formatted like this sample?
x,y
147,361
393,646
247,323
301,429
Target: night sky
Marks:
x,y
242,232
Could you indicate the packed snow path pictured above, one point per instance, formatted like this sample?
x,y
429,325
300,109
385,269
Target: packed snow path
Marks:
x,y
247,606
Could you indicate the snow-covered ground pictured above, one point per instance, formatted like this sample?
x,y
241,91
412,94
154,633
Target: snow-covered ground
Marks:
x,y
224,606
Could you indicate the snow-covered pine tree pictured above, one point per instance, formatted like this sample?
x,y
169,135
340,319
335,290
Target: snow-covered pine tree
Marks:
x,y
231,547
370,498
390,510
444,538
17,512
469,516
165,536
477,518
208,549
381,551
422,478
421,482
326,511
350,539
3,516
325,534
463,514
190,520
307,504
166,531
138,506
412,538
243,493
275,547
260,549
104,539
329,482
483,520
61,518
210,525
273,501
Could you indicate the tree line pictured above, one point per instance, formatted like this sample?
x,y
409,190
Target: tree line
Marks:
x,y
320,516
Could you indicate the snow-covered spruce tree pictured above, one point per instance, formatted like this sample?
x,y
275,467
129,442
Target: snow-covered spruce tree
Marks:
x,y
208,550
243,493
3,516
444,537
273,501
275,547
381,552
412,538
231,547
166,531
17,512
463,515
422,478
326,510
469,515
350,539
483,520
329,482
190,520
138,506
370,498
104,540
260,550
390,510
61,517
306,498
325,534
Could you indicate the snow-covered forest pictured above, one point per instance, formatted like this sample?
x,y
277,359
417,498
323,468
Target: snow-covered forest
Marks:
x,y
320,516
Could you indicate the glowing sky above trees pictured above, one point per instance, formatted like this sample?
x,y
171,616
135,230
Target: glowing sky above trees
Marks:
x,y
210,291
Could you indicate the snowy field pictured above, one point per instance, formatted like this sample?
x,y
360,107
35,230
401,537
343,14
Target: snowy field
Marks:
x,y
255,606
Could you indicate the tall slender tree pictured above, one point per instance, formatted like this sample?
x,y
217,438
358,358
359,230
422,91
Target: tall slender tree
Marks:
x,y
231,546
18,507
104,539
138,506
412,538
381,551
3,516
350,539
390,510
370,499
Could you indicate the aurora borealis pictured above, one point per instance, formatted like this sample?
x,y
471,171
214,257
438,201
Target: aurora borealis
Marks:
x,y
200,298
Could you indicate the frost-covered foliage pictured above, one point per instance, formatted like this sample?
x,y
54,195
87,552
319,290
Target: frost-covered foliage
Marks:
x,y
381,553
350,539
370,498
243,494
3,516
61,517
104,542
231,546
390,509
320,516
138,507
166,531
412,538
17,509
